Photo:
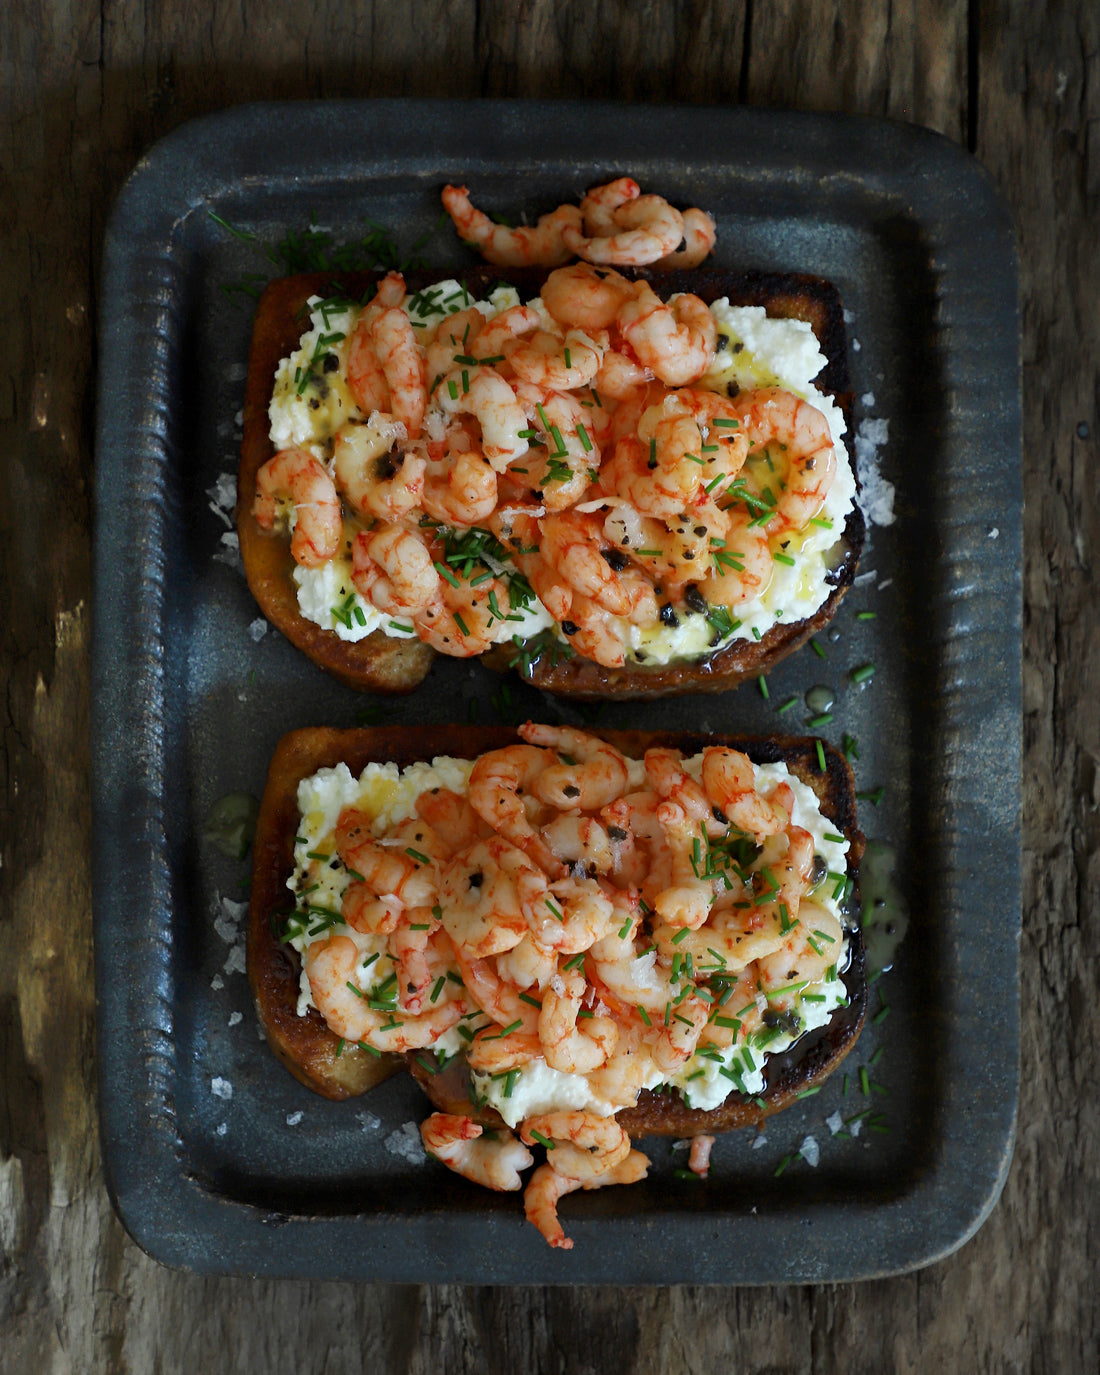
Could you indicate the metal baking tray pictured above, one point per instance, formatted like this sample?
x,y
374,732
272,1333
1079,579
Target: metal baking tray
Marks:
x,y
216,1159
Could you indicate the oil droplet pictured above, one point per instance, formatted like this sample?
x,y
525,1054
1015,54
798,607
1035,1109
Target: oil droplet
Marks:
x,y
885,918
820,699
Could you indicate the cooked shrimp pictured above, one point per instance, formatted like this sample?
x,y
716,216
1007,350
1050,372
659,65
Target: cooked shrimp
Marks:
x,y
584,1145
451,817
330,966
568,1045
573,544
679,1034
493,1051
484,394
561,471
700,236
375,476
453,339
479,891
401,865
570,915
669,780
774,419
496,334
580,842
556,362
600,203
528,964
677,340
594,632
403,367
637,231
619,376
392,568
365,911
741,563
409,946
464,620
540,246
595,774
699,1155
730,782
366,379
501,792
546,1187
676,549
295,476
585,297
494,1161
808,950
654,489
460,487
497,997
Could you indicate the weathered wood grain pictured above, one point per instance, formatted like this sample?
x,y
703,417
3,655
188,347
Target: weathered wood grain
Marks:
x,y
84,89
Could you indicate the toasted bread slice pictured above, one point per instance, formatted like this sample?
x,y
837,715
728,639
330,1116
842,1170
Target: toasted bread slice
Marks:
x,y
386,663
317,1057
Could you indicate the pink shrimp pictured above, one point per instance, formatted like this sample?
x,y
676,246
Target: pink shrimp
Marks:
x,y
465,620
677,340
540,246
295,476
585,297
700,236
460,487
403,367
493,1160
392,568
546,1187
628,228
572,543
376,475
777,420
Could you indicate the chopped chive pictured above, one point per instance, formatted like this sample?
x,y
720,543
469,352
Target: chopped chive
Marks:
x,y
863,674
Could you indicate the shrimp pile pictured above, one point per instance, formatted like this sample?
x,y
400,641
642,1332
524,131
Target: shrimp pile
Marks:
x,y
608,923
614,225
573,440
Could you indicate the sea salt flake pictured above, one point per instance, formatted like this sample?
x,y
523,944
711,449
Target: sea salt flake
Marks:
x,y
293,1118
230,551
835,1123
217,982
235,964
235,1018
759,1140
221,1088
222,1128
809,1151
406,1143
257,629
368,1121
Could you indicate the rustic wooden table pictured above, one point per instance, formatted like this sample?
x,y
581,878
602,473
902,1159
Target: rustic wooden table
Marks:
x,y
86,88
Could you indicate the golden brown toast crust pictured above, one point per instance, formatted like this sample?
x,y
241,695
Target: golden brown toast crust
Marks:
x,y
385,663
316,1056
